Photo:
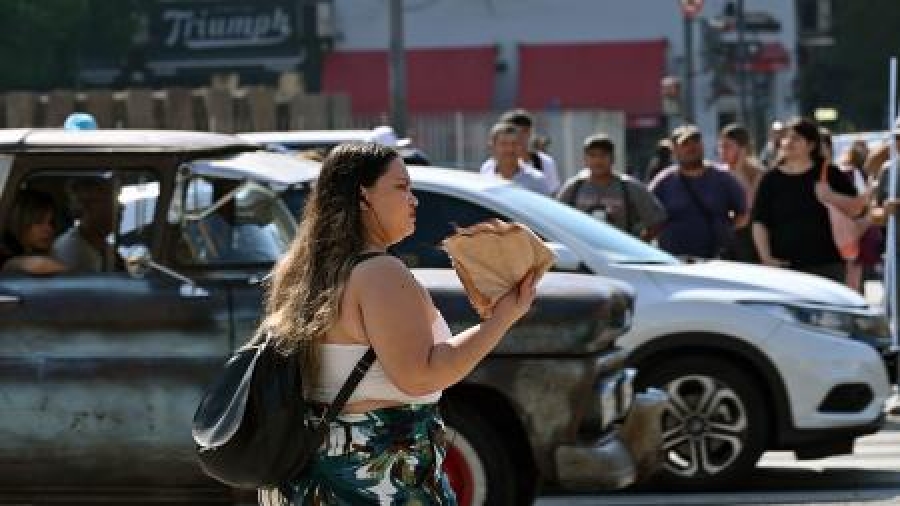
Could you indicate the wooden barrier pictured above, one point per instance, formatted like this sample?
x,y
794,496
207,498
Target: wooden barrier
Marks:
x,y
21,108
59,105
220,109
101,104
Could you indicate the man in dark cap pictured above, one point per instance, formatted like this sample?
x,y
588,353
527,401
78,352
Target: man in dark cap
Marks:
x,y
609,196
703,202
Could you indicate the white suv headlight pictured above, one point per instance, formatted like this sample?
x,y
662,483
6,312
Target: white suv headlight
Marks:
x,y
871,327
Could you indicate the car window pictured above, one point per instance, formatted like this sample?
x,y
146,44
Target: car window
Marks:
x,y
228,222
137,201
436,218
608,241
295,198
61,222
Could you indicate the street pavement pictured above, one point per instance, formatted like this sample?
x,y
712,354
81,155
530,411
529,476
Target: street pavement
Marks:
x,y
870,477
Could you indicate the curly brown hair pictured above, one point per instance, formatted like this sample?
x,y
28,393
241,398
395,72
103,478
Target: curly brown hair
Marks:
x,y
304,295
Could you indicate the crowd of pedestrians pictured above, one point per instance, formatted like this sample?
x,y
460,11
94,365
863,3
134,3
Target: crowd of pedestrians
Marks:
x,y
779,207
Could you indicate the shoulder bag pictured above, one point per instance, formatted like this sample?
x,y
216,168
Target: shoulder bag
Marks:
x,y
845,231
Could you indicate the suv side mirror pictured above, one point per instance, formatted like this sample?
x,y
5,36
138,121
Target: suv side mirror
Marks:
x,y
566,259
138,261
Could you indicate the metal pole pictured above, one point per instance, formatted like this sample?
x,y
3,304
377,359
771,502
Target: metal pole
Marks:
x,y
890,267
397,71
741,62
689,69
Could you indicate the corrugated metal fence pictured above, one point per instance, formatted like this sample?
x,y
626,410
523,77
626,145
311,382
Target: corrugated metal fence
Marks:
x,y
461,139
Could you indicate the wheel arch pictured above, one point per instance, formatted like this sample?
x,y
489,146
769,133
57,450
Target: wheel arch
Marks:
x,y
751,360
499,412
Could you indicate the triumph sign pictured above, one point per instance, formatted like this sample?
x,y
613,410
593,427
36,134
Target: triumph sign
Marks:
x,y
224,34
202,29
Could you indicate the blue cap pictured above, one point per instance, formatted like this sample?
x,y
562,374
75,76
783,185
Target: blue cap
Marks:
x,y
80,121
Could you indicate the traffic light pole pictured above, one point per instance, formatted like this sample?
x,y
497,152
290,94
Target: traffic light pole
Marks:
x,y
688,69
741,63
890,257
397,79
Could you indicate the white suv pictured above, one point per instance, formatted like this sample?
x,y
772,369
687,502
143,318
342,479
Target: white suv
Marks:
x,y
753,358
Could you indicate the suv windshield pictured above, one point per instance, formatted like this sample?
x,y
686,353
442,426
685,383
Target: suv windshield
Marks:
x,y
232,222
614,245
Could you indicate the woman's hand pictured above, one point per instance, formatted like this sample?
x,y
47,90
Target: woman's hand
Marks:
x,y
774,262
516,302
824,193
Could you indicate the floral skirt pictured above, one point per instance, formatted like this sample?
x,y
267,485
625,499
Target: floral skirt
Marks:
x,y
389,456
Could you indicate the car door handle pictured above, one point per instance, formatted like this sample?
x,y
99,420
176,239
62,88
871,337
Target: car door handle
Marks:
x,y
10,299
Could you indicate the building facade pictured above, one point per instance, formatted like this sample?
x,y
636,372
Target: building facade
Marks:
x,y
581,54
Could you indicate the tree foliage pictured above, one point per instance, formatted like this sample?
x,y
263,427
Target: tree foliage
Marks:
x,y
44,43
853,74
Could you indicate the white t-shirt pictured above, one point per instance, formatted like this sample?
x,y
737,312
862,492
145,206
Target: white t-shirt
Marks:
x,y
527,176
76,253
548,169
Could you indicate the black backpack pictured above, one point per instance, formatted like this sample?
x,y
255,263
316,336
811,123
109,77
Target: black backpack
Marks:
x,y
253,428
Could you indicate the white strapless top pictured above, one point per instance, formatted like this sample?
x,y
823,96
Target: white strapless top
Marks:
x,y
339,359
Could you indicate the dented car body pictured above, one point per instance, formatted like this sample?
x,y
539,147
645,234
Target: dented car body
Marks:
x,y
102,369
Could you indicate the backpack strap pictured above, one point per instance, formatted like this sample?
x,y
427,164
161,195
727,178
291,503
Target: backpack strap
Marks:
x,y
626,202
536,160
576,187
362,257
362,366
331,412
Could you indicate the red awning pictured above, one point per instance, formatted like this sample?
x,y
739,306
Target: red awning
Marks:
x,y
771,57
623,76
438,80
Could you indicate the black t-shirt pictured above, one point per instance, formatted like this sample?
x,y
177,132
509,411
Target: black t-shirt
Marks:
x,y
798,224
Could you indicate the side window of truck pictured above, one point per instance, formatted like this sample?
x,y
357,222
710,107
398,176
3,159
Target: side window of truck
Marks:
x,y
436,218
64,222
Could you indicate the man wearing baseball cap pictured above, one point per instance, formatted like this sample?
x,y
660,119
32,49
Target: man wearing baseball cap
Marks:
x,y
703,202
386,136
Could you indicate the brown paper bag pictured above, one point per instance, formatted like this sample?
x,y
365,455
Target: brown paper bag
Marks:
x,y
491,258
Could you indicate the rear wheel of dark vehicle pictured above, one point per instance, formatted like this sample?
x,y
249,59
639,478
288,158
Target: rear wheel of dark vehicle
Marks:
x,y
477,464
715,426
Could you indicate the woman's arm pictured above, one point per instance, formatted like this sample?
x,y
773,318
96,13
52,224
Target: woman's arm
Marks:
x,y
34,264
397,321
849,205
841,192
761,240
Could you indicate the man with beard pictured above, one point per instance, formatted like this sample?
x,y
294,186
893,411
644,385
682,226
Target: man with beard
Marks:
x,y
704,203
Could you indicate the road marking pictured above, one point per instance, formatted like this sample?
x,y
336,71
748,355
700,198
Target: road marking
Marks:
x,y
719,499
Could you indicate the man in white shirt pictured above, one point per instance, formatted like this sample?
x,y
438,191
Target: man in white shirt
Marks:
x,y
505,149
538,160
82,247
